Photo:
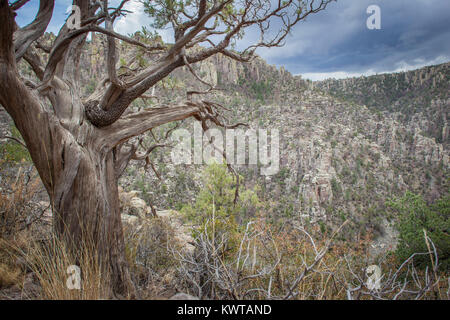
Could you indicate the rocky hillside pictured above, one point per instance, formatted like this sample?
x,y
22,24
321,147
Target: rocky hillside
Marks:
x,y
346,145
418,98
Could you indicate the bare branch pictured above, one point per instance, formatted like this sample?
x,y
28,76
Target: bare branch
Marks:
x,y
111,58
184,40
63,43
25,36
18,4
14,139
318,258
136,124
35,62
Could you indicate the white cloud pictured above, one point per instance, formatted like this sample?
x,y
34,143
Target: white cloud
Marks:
x,y
134,21
400,67
420,63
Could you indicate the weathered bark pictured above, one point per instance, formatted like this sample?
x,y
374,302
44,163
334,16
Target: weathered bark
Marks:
x,y
86,207
80,179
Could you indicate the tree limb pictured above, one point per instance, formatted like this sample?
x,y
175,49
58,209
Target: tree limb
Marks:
x,y
25,36
138,123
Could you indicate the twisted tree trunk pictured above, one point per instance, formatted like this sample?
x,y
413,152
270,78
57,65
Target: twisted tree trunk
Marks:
x,y
80,177
86,207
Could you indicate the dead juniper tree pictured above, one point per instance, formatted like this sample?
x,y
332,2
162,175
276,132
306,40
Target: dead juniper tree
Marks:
x,y
80,145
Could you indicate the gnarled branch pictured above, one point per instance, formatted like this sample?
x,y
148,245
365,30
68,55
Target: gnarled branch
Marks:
x,y
25,36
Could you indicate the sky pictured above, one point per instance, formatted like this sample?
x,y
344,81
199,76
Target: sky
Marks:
x,y
335,43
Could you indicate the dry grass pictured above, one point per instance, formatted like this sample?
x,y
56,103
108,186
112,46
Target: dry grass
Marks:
x,y
17,214
18,208
50,263
9,275
31,257
151,263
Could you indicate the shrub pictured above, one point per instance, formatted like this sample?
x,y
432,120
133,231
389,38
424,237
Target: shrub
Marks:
x,y
148,249
12,152
214,209
17,208
414,217
336,187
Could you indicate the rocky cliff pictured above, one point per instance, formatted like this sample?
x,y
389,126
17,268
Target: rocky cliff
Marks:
x,y
418,98
346,145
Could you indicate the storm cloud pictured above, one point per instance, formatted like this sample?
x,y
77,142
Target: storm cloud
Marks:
x,y
336,42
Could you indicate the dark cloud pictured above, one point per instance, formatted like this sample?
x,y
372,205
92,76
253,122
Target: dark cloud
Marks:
x,y
413,33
